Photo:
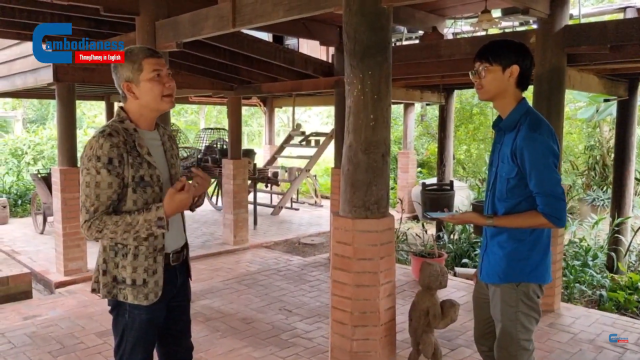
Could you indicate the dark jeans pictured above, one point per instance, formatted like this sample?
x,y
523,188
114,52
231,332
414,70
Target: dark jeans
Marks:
x,y
164,325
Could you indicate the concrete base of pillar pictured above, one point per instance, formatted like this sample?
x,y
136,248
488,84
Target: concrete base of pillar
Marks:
x,y
363,289
407,180
235,203
70,242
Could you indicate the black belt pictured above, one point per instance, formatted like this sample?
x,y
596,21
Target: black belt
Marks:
x,y
176,256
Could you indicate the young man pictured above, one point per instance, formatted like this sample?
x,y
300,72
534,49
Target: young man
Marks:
x,y
524,200
132,202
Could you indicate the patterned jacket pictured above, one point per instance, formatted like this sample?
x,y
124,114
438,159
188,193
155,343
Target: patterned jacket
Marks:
x,y
121,197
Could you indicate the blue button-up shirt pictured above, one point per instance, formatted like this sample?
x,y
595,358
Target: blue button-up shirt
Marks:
x,y
523,176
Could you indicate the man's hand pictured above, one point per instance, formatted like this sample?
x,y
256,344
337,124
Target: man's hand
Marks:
x,y
469,217
200,183
178,198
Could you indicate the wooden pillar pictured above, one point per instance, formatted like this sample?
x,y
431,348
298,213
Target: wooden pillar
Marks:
x,y
340,112
235,172
109,109
70,243
66,125
363,288
624,159
548,100
407,162
150,12
269,131
445,137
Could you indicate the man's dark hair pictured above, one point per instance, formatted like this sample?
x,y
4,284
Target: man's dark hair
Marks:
x,y
506,53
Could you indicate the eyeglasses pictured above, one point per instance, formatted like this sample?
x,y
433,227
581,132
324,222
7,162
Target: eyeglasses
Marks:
x,y
479,72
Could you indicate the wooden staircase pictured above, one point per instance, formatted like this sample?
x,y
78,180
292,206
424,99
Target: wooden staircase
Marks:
x,y
307,141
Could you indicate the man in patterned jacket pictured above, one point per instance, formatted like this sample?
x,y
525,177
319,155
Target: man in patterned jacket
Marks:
x,y
132,200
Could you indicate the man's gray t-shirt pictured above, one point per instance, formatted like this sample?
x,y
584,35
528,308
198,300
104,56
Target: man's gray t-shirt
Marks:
x,y
175,237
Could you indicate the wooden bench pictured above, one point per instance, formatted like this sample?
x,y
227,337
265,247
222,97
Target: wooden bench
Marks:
x,y
15,281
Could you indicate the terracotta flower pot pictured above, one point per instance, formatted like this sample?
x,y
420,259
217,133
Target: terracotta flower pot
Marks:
x,y
416,262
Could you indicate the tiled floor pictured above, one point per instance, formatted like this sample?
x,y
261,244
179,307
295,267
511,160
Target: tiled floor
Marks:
x,y
263,304
19,240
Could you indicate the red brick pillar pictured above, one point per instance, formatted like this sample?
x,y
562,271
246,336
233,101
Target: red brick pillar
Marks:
x,y
267,151
235,204
363,289
552,297
70,243
553,292
407,179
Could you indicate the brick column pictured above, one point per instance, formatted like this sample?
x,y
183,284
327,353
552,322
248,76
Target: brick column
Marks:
x,y
267,151
70,242
552,297
553,292
363,289
407,179
235,204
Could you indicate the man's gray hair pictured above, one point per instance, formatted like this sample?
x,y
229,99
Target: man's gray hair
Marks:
x,y
130,70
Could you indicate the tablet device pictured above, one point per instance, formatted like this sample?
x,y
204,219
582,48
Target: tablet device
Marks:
x,y
437,215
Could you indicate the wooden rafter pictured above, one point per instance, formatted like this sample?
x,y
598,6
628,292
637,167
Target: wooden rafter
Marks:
x,y
110,7
233,15
259,48
417,19
83,11
39,17
101,74
231,57
289,87
27,28
325,34
582,81
228,73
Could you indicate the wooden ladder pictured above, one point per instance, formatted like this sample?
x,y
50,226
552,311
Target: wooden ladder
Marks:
x,y
306,170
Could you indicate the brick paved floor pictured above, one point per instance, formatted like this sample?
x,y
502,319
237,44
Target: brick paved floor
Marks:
x,y
19,240
263,304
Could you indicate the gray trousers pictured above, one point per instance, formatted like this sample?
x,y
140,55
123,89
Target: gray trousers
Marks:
x,y
505,318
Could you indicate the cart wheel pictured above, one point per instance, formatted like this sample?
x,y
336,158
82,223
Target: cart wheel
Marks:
x,y
214,195
37,214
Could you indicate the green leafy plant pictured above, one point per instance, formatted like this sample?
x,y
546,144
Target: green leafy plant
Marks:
x,y
462,246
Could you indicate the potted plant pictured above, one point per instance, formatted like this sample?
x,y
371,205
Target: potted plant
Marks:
x,y
420,246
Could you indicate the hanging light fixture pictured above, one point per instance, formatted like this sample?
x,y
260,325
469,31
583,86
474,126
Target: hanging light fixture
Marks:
x,y
485,20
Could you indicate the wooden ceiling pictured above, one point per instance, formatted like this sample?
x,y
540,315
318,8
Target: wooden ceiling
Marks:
x,y
212,54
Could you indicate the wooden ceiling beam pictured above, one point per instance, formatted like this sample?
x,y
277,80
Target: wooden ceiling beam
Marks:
x,y
129,39
28,27
75,10
578,36
537,8
590,83
416,19
325,34
619,53
234,15
444,67
39,17
30,79
127,8
45,96
289,87
278,54
233,74
205,73
231,57
101,75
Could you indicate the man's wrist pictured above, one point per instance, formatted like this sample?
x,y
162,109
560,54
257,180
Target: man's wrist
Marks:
x,y
489,220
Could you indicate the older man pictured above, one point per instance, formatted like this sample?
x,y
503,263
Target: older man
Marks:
x,y
132,199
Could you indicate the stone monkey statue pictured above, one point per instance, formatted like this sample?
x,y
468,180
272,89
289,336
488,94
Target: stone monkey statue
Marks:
x,y
428,313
